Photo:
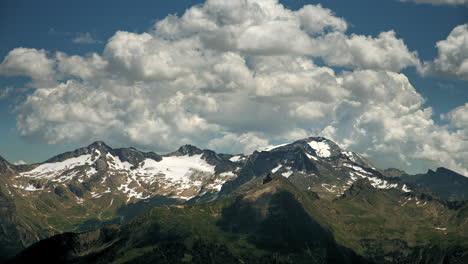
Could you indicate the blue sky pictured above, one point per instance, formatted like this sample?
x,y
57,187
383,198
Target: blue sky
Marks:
x,y
84,27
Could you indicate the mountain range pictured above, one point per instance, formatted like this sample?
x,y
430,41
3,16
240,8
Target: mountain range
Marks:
x,y
301,202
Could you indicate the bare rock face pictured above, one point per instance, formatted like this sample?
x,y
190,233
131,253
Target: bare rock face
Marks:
x,y
6,168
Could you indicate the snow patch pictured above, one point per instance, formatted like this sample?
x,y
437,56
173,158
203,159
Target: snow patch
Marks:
x,y
237,158
29,187
90,172
228,174
350,155
96,195
270,148
276,168
321,148
329,188
311,157
131,193
357,168
375,182
218,182
405,189
184,197
287,174
381,184
56,169
116,164
176,174
176,168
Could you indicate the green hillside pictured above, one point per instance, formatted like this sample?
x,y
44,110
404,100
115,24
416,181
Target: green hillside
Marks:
x,y
275,222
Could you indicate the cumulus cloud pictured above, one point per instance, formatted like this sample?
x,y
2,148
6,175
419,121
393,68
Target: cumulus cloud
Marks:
x,y
458,120
384,52
267,28
385,114
452,59
28,62
85,68
439,2
238,143
235,76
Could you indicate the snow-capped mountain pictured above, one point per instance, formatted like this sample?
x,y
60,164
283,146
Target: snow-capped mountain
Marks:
x,y
97,170
91,186
314,163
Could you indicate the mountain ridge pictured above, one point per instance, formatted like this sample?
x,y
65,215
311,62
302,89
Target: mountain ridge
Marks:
x,y
97,185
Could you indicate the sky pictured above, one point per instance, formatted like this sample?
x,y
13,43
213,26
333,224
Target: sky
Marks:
x,y
384,78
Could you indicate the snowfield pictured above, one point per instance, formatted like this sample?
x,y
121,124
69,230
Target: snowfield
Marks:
x,y
321,148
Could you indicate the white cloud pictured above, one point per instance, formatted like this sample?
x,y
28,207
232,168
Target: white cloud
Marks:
x,y
19,162
391,126
458,119
85,38
452,59
88,67
235,76
316,20
380,116
439,2
385,52
238,143
28,62
267,28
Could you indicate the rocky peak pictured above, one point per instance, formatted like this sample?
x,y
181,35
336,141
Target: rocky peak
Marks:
x,y
394,173
320,139
5,166
187,150
317,146
99,145
323,147
445,174
3,161
443,170
135,156
95,148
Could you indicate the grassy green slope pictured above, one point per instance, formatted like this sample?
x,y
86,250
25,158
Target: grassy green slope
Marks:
x,y
276,223
386,225
267,225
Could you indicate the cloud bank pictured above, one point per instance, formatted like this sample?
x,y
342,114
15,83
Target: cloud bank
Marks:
x,y
236,76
